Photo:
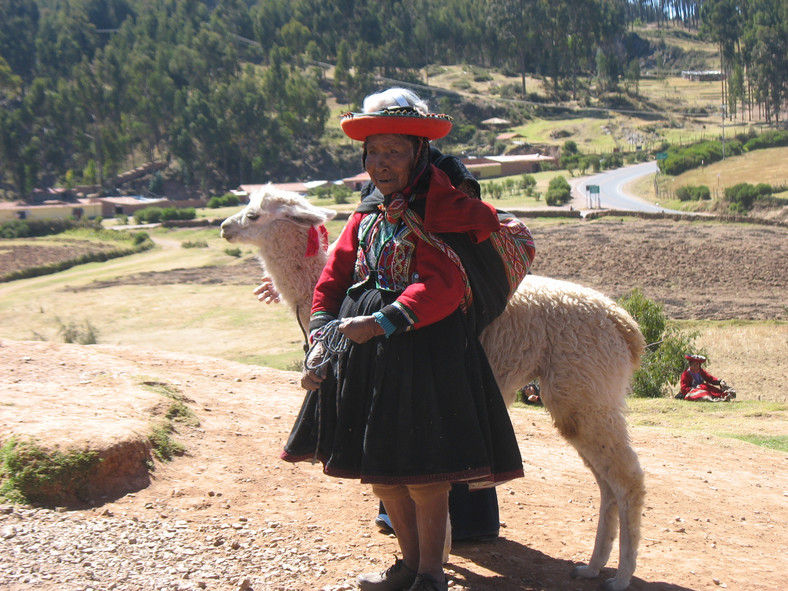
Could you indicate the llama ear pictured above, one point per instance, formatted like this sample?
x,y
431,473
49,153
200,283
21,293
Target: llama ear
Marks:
x,y
308,215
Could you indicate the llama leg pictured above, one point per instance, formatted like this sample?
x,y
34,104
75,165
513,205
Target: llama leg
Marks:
x,y
630,492
617,471
606,529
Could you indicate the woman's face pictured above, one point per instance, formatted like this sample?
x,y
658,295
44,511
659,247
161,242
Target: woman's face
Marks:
x,y
390,160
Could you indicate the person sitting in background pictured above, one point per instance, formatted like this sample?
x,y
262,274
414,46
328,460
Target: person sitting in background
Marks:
x,y
698,384
530,393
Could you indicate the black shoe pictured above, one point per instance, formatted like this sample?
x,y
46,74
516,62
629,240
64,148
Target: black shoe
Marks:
x,y
427,583
395,578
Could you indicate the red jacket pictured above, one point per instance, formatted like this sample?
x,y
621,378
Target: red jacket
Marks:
x,y
439,288
687,381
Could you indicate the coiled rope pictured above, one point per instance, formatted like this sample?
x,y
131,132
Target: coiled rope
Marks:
x,y
335,345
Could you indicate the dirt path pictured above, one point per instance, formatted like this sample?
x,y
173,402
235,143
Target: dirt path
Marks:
x,y
715,512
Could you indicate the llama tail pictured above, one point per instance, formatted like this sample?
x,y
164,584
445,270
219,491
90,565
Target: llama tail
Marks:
x,y
629,329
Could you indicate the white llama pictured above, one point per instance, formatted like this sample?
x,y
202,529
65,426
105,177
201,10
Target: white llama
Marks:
x,y
581,345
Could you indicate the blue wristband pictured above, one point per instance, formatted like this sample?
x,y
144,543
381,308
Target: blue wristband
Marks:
x,y
387,324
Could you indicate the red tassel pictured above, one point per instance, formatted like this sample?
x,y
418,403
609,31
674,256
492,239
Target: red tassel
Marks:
x,y
316,241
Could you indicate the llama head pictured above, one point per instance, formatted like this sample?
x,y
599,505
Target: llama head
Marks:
x,y
267,207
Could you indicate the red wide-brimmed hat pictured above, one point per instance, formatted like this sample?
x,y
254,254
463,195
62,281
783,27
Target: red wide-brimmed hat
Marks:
x,y
399,120
698,358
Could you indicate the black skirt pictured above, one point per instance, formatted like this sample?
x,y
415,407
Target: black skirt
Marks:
x,y
422,406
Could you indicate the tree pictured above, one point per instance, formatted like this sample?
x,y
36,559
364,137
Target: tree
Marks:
x,y
517,29
19,21
343,79
10,83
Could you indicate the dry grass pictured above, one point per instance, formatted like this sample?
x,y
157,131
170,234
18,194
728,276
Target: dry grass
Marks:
x,y
751,357
760,166
226,321
220,320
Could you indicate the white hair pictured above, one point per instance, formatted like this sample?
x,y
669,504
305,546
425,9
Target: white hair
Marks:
x,y
394,97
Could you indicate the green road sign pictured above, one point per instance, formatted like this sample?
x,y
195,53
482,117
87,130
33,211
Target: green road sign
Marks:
x,y
662,155
592,188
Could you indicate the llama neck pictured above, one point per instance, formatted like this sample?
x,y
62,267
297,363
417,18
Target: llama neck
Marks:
x,y
294,275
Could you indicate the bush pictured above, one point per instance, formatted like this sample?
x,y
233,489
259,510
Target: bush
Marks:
x,y
141,241
227,200
338,193
31,228
163,446
74,333
768,139
681,159
558,191
194,244
745,194
154,215
528,183
663,362
693,193
156,184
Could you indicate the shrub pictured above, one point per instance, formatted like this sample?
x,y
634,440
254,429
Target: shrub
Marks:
x,y
141,241
768,139
558,191
226,200
339,193
154,215
31,228
663,362
156,184
528,183
745,194
681,159
570,147
693,193
86,334
736,209
164,447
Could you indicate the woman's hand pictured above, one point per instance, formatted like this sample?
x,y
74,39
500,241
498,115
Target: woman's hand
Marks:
x,y
361,328
266,292
314,371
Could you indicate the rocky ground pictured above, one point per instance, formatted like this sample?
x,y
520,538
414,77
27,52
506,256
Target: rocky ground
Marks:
x,y
229,515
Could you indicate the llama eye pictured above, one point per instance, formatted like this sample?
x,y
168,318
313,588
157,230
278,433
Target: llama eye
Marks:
x,y
252,216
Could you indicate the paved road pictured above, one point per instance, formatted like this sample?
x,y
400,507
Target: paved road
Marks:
x,y
612,194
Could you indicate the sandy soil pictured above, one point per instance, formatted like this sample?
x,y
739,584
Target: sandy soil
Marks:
x,y
715,511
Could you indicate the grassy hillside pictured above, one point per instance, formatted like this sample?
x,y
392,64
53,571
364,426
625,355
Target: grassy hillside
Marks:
x,y
662,106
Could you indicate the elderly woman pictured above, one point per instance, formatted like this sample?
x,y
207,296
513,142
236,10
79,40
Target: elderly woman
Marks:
x,y
410,405
698,384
